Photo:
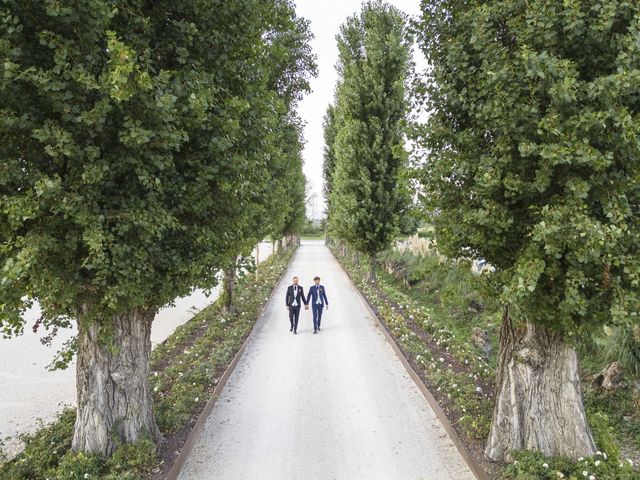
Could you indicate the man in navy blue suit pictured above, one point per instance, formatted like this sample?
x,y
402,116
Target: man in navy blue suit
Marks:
x,y
319,301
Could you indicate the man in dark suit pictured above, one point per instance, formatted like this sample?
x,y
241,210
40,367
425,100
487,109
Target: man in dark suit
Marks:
x,y
319,301
295,298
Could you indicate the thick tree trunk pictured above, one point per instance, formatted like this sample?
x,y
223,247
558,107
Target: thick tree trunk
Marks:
x,y
278,245
538,396
371,274
228,289
112,375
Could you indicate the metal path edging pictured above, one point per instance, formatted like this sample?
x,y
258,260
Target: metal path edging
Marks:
x,y
473,465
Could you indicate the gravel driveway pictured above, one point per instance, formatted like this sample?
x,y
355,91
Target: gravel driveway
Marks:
x,y
337,405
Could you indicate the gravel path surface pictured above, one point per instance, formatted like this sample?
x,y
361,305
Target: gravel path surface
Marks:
x,y
337,405
28,391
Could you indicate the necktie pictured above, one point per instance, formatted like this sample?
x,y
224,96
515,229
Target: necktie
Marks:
x,y
318,302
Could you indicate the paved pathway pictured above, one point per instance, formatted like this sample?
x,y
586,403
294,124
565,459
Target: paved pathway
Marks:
x,y
337,405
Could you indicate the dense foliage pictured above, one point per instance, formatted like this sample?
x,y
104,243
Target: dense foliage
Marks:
x,y
367,125
143,146
533,153
133,147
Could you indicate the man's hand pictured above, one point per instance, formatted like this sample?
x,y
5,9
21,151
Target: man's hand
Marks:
x,y
327,306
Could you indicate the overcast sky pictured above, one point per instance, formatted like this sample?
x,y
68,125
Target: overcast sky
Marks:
x,y
326,16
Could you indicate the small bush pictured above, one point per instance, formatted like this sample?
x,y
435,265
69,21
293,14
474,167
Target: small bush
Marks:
x,y
130,462
604,435
530,465
43,450
623,345
76,466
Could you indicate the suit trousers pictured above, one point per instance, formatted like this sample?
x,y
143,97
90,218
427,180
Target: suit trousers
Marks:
x,y
317,315
294,315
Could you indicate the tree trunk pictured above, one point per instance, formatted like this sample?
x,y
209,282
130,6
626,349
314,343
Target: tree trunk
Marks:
x,y
538,396
112,376
371,274
258,262
228,288
278,245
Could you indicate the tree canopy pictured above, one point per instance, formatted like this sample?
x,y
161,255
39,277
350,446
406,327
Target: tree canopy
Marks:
x,y
533,157
138,145
367,197
533,163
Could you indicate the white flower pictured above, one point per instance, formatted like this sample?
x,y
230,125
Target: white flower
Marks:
x,y
598,452
197,398
585,473
560,474
580,459
545,465
592,477
86,475
441,359
155,389
597,463
630,461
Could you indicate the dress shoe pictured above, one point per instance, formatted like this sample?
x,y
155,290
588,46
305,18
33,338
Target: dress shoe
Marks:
x,y
315,331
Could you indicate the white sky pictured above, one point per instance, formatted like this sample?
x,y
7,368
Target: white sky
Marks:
x,y
326,16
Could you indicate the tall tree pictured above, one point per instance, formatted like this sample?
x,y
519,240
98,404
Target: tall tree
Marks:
x,y
371,109
328,154
120,176
533,163
272,144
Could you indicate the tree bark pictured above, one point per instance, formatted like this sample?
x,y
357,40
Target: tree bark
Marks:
x,y
371,274
112,375
538,396
278,245
228,288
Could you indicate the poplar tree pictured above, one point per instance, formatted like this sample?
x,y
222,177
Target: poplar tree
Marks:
x,y
367,198
130,138
533,163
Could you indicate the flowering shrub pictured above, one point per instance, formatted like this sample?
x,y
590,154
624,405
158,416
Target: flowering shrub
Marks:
x,y
530,465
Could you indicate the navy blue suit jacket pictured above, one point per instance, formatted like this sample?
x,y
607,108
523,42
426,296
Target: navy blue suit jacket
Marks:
x,y
314,291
